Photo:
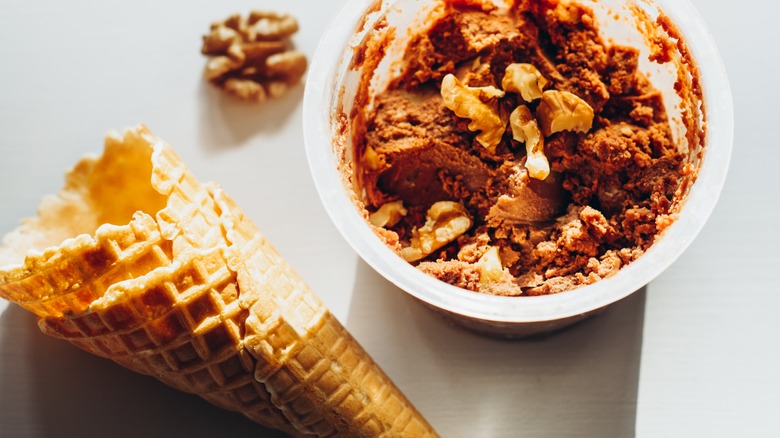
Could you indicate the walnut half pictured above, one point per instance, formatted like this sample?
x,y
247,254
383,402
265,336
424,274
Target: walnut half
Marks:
x,y
445,221
388,214
472,103
252,57
524,79
563,111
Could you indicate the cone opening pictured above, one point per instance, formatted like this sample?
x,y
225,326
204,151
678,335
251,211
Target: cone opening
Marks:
x,y
98,190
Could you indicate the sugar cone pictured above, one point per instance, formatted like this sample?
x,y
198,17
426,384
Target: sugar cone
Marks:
x,y
190,292
69,277
181,324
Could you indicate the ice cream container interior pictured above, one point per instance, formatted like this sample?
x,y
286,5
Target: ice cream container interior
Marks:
x,y
702,123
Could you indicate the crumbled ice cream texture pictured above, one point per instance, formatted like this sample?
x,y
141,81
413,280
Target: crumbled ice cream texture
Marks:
x,y
614,170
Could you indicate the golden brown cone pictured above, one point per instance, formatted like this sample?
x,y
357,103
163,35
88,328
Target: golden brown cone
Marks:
x,y
190,292
181,324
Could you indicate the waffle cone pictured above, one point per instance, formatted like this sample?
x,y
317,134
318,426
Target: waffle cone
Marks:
x,y
189,291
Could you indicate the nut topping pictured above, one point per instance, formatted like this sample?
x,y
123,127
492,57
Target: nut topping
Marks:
x,y
526,130
388,214
372,159
557,111
525,80
563,111
473,103
444,222
492,269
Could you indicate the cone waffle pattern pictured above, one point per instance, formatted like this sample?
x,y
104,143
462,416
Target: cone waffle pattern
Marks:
x,y
192,294
183,325
71,280
312,366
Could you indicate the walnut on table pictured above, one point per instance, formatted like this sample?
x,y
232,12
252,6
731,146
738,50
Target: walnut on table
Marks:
x,y
252,57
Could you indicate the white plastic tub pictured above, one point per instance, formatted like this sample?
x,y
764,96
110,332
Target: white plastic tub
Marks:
x,y
330,94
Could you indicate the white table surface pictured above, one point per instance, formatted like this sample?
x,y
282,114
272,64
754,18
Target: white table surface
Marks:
x,y
693,354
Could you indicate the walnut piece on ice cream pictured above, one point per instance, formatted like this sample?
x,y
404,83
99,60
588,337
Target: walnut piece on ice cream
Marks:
x,y
474,103
445,221
388,214
492,269
252,57
525,80
372,159
563,111
526,130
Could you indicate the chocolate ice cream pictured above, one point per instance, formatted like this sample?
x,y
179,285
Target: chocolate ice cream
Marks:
x,y
518,152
